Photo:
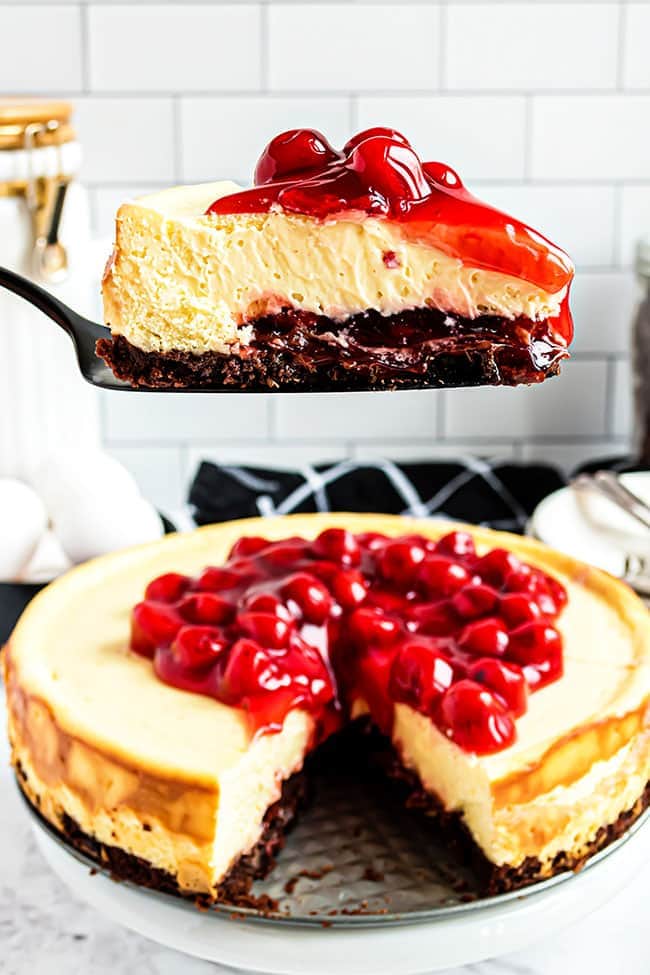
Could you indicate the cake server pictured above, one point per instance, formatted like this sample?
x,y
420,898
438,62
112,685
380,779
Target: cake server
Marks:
x,y
82,331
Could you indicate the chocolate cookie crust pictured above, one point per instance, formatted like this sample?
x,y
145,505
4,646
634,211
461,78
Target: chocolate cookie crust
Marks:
x,y
297,350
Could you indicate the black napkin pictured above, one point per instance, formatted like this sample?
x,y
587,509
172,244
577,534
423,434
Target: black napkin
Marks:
x,y
499,495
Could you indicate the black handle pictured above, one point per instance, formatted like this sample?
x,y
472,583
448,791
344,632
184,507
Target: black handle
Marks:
x,y
80,329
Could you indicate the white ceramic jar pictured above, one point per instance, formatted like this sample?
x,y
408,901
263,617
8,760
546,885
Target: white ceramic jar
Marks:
x,y
44,402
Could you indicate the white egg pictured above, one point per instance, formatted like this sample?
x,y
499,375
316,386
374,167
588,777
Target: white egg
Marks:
x,y
73,476
91,529
48,561
23,521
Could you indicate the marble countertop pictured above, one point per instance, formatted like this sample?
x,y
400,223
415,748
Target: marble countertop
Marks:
x,y
45,929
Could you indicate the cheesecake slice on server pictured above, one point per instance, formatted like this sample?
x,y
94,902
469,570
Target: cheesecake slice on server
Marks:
x,y
162,701
363,268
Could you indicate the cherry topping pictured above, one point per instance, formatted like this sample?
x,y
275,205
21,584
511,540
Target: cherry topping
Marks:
x,y
153,625
198,646
339,545
390,168
168,588
206,607
292,152
474,600
349,588
505,680
419,675
310,596
485,636
496,566
378,130
475,719
460,639
456,544
269,630
442,576
399,561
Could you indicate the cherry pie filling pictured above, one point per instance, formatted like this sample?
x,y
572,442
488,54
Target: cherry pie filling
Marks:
x,y
461,638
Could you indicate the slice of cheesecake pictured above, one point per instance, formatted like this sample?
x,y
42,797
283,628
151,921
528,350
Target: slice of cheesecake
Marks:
x,y
510,683
363,268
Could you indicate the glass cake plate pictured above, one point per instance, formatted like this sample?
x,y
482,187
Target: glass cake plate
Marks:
x,y
356,858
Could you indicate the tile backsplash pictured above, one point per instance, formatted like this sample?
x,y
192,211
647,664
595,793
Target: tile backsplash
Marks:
x,y
543,107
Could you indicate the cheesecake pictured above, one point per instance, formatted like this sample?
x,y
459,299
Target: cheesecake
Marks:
x,y
359,268
163,700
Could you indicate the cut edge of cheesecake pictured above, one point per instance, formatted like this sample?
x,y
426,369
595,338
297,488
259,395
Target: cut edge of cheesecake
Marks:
x,y
196,299
622,776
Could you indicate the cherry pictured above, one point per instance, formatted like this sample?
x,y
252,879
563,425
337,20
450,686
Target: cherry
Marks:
x,y
442,576
349,588
247,671
218,578
474,600
475,719
269,630
370,626
167,588
419,675
248,545
389,168
534,643
442,174
378,130
496,566
505,680
153,625
457,544
267,602
434,619
485,636
284,555
339,545
372,541
389,602
310,595
197,646
292,152
206,607
521,579
557,591
517,607
399,560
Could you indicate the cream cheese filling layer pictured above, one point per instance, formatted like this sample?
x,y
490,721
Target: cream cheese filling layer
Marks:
x,y
181,280
69,651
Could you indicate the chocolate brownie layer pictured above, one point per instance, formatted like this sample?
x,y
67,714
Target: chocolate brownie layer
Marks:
x,y
493,878
296,350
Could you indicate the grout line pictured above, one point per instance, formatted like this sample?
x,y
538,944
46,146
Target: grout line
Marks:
x,y
442,46
177,136
265,48
389,94
84,31
620,45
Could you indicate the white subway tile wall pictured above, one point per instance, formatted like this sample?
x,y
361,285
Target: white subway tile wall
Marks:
x,y
542,106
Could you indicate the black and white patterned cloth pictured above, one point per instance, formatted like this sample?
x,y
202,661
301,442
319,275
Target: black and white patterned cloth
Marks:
x,y
499,495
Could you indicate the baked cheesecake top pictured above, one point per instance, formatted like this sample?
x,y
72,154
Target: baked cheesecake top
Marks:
x,y
459,637
378,174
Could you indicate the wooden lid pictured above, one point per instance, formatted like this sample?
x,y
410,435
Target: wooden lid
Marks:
x,y
17,114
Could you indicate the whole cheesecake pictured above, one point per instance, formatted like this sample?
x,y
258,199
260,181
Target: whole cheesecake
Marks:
x,y
163,700
339,269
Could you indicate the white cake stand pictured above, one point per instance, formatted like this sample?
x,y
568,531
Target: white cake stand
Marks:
x,y
358,948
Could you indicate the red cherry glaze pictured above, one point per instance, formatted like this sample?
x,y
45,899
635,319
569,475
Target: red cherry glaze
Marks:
x,y
486,636
338,545
168,588
474,600
395,620
506,681
475,719
442,576
379,174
